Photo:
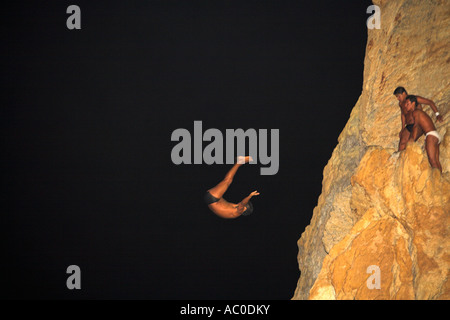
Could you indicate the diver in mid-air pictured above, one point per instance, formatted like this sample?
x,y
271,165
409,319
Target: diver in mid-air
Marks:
x,y
219,205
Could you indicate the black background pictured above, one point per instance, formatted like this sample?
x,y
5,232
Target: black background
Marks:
x,y
86,123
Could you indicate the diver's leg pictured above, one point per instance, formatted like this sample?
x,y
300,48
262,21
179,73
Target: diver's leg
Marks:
x,y
404,137
223,185
437,158
432,147
419,132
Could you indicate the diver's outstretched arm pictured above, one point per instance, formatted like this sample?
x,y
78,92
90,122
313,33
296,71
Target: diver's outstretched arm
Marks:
x,y
244,201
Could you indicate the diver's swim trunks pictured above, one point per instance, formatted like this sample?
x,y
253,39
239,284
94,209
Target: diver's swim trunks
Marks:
x,y
209,198
409,127
436,134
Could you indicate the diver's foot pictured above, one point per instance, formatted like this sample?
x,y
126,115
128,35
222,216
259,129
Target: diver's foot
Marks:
x,y
242,159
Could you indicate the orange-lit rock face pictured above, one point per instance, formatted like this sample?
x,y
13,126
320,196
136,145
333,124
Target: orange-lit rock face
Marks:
x,y
403,229
378,206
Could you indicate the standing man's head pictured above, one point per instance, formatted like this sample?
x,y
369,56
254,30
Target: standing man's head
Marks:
x,y
400,93
411,103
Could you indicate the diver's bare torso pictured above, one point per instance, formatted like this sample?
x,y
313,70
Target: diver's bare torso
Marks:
x,y
425,122
225,209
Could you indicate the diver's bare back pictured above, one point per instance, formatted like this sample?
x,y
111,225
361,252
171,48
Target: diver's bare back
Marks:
x,y
225,208
424,120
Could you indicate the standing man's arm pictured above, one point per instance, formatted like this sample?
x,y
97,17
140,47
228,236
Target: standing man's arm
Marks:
x,y
403,124
422,100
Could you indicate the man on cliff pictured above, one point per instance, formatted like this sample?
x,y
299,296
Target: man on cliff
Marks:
x,y
420,124
405,132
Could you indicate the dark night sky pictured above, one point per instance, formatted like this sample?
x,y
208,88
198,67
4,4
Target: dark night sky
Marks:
x,y
86,123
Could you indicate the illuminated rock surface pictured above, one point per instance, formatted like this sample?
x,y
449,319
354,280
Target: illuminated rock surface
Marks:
x,y
379,207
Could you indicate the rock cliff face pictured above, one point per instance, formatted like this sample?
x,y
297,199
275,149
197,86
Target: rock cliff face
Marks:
x,y
379,207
